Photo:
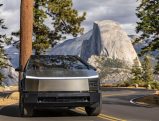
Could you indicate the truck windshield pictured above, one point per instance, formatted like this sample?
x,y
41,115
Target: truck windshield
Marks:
x,y
51,62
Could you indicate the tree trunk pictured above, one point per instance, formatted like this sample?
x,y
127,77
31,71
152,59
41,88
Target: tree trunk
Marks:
x,y
26,30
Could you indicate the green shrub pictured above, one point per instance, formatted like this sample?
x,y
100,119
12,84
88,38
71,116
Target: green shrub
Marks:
x,y
1,78
124,84
154,85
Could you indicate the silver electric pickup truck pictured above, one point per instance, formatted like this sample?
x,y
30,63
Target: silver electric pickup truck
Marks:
x,y
51,81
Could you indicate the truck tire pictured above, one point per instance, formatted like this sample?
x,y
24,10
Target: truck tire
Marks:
x,y
25,111
94,110
21,105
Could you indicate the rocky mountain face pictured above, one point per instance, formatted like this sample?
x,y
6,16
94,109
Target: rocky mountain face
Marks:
x,y
111,71
106,38
13,55
10,75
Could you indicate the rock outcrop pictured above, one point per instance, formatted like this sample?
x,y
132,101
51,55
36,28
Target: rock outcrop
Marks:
x,y
107,38
10,76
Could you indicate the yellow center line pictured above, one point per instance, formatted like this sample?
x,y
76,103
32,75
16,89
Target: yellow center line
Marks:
x,y
103,116
114,118
78,109
106,118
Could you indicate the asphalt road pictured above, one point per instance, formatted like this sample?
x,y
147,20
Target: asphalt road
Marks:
x,y
116,107
116,102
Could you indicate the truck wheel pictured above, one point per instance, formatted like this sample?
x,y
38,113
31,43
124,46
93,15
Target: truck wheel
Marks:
x,y
25,111
21,105
94,110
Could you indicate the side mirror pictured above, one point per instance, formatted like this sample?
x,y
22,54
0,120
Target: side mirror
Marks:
x,y
19,69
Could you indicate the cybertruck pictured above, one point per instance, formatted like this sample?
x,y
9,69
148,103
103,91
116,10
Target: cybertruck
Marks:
x,y
51,81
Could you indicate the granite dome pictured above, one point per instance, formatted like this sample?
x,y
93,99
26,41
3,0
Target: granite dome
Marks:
x,y
106,38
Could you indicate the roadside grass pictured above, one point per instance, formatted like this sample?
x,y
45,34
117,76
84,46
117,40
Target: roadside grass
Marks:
x,y
1,89
11,99
14,96
5,101
13,88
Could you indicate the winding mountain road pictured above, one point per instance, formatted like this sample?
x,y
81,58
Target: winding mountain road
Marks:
x,y
116,107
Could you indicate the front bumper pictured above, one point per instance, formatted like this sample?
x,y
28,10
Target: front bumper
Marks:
x,y
60,99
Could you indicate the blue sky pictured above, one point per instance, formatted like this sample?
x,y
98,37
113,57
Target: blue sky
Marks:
x,y
121,11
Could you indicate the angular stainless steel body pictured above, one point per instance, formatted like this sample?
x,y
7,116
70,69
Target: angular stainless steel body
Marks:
x,y
59,80
57,85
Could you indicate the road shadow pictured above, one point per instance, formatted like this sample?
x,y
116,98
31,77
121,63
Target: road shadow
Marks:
x,y
122,100
13,111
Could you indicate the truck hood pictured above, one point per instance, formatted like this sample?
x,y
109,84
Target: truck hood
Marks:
x,y
61,74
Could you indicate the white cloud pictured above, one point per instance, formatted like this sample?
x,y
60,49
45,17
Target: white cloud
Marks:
x,y
122,11
10,12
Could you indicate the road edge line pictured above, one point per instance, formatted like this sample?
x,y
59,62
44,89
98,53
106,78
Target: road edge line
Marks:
x,y
132,101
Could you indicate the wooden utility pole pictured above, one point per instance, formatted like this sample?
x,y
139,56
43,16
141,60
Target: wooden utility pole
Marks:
x,y
26,30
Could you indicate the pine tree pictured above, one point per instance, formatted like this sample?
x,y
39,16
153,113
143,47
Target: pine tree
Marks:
x,y
147,70
157,67
148,25
136,72
63,20
2,55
